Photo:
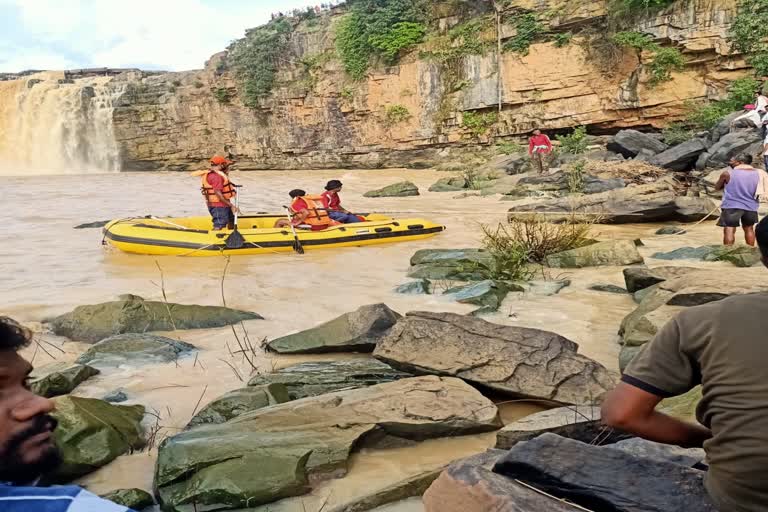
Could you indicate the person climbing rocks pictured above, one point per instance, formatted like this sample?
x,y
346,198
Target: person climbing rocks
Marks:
x,y
27,446
307,212
721,346
332,203
740,201
218,191
540,149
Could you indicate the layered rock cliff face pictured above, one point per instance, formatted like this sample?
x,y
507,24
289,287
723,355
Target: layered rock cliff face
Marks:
x,y
319,118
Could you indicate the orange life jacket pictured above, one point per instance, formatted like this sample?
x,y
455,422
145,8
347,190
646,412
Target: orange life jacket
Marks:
x,y
317,214
228,191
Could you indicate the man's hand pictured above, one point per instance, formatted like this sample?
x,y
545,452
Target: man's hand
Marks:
x,y
236,210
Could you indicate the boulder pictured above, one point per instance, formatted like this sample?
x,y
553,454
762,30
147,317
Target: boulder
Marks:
x,y
739,255
469,485
420,287
115,397
671,230
630,142
681,157
401,189
638,278
239,402
134,499
686,253
513,360
449,256
92,433
730,145
600,478
723,127
686,457
613,252
357,331
453,184
558,182
59,378
682,406
645,155
449,264
135,349
268,454
607,288
132,314
627,354
318,378
574,422
486,293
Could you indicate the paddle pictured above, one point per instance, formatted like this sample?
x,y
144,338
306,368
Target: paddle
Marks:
x,y
235,240
296,243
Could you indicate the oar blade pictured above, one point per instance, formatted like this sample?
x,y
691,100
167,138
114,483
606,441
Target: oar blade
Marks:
x,y
235,240
297,246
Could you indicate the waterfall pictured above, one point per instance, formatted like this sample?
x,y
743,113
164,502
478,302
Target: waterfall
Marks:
x,y
49,125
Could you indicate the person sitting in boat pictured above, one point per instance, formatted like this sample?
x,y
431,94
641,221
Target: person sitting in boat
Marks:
x,y
332,203
218,191
307,212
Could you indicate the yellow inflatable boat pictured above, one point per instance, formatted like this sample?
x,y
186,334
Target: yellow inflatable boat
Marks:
x,y
191,236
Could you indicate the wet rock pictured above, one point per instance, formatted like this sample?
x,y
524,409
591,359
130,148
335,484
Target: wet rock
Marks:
x,y
402,189
132,314
449,264
671,230
486,293
592,476
115,397
607,288
627,354
730,145
134,499
513,360
92,433
449,256
630,142
357,331
613,252
483,311
266,455
682,406
546,288
135,349
686,457
686,253
96,224
681,157
59,378
453,184
582,423
238,402
470,485
420,287
318,378
558,182
739,255
639,295
638,278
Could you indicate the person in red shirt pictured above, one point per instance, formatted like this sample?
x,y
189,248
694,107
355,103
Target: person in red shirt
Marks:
x,y
540,148
306,213
218,192
332,203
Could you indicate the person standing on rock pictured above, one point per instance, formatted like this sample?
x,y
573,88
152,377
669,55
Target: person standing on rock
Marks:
x,y
740,202
27,447
539,149
218,192
332,203
721,346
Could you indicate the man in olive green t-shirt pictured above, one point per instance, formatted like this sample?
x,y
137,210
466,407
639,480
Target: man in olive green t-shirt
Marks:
x,y
723,346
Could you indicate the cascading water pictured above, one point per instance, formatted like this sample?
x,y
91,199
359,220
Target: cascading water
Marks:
x,y
54,126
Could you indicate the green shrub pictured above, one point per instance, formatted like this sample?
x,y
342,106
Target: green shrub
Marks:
x,y
748,33
222,95
479,124
704,116
396,114
401,37
576,143
663,60
528,30
563,39
347,94
676,133
510,261
510,148
575,177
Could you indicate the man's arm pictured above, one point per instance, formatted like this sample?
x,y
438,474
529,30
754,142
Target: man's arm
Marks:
x,y
723,180
632,410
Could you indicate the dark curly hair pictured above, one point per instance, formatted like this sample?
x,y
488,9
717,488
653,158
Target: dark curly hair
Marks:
x,y
13,335
762,236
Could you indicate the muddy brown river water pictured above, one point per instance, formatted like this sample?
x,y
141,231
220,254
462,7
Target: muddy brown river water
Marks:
x,y
49,268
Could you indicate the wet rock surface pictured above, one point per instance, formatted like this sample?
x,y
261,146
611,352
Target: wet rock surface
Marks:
x,y
57,379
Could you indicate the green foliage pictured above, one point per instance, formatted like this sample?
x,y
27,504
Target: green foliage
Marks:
x,y
528,29
575,143
462,40
563,39
749,33
509,258
663,60
636,40
705,116
382,28
575,177
509,148
347,94
633,8
255,59
479,124
396,114
222,95
676,133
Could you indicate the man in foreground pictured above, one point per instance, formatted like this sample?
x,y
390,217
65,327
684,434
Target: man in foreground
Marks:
x,y
27,448
722,346
740,203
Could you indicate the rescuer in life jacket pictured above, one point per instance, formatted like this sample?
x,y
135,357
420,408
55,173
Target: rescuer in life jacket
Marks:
x,y
307,212
218,192
332,203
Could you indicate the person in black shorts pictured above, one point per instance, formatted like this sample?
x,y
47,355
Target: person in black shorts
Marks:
x,y
740,202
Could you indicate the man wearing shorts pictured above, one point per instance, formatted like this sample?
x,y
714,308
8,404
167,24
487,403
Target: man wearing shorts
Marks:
x,y
740,202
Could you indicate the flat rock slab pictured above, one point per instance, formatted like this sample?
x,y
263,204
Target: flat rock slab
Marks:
x,y
671,230
582,423
266,455
134,499
613,252
401,189
600,478
687,253
238,402
135,349
488,293
132,314
420,287
57,379
514,360
317,378
608,288
630,142
687,457
638,278
469,485
357,331
456,264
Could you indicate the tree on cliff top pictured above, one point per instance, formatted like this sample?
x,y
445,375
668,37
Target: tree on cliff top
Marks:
x,y
749,33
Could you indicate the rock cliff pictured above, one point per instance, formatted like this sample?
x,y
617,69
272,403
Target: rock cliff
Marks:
x,y
317,117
